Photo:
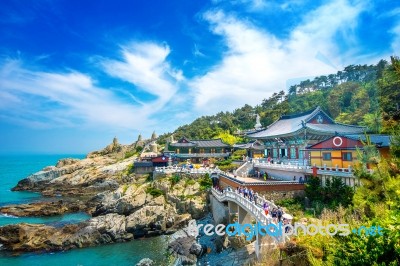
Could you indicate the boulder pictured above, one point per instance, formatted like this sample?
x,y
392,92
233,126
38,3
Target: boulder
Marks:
x,y
221,243
145,262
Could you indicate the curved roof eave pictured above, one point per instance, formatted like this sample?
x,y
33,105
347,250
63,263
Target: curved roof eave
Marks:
x,y
279,136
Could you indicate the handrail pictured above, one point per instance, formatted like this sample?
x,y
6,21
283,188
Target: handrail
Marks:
x,y
259,183
236,172
348,172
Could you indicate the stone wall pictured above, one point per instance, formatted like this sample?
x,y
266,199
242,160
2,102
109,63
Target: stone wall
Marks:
x,y
219,211
224,182
280,195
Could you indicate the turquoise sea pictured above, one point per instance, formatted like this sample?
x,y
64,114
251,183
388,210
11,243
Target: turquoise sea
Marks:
x,y
16,167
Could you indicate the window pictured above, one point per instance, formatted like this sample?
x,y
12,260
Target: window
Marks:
x,y
326,156
292,153
347,156
274,153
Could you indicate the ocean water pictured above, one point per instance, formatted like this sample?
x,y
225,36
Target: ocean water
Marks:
x,y
16,167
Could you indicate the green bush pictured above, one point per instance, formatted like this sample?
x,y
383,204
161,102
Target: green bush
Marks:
x,y
224,162
333,194
238,154
175,179
227,168
205,182
189,182
130,168
129,154
155,192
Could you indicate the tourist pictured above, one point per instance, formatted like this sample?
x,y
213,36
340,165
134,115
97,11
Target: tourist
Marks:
x,y
279,214
274,214
294,178
286,222
255,198
266,209
300,179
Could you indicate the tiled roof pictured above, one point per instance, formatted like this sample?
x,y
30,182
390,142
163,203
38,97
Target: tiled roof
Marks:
x,y
292,124
210,143
336,128
287,124
187,144
143,164
380,140
250,145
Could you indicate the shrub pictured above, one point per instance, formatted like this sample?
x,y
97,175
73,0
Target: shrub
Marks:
x,y
228,167
224,162
129,154
155,192
205,182
189,182
175,179
130,168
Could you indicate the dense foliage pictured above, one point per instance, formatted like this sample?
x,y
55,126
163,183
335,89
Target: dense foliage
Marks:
x,y
373,101
331,195
366,95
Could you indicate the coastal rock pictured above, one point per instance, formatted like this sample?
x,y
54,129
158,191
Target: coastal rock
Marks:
x,y
43,208
125,200
77,177
183,245
112,225
237,242
145,262
221,243
27,237
66,161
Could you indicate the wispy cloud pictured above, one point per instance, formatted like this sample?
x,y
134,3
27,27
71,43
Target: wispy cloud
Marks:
x,y
257,63
71,98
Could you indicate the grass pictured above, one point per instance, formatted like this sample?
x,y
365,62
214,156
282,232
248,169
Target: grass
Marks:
x,y
189,182
124,189
129,154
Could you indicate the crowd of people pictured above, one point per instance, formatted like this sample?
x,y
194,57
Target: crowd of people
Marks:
x,y
276,213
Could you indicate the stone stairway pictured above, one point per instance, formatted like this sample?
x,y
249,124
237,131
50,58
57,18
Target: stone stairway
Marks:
x,y
244,169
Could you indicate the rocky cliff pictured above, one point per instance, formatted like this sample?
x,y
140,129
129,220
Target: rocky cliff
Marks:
x,y
123,206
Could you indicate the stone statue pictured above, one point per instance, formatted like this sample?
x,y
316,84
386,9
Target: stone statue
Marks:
x,y
154,135
258,123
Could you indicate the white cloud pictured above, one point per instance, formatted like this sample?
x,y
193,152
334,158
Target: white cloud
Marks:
x,y
256,63
395,45
47,99
145,66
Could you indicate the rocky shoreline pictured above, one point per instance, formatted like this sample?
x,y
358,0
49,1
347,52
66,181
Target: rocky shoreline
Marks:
x,y
123,206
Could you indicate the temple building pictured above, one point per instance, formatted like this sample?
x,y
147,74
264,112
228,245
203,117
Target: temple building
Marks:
x,y
287,138
254,148
341,151
197,151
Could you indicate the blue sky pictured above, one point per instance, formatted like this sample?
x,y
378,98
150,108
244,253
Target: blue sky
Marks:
x,y
74,74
